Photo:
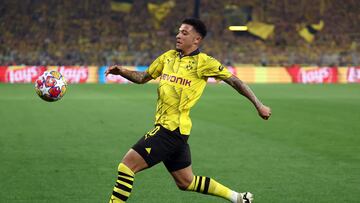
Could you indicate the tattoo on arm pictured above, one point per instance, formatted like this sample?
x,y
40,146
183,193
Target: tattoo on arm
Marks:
x,y
243,89
135,76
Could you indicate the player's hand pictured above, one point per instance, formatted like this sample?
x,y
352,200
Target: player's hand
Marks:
x,y
264,112
114,70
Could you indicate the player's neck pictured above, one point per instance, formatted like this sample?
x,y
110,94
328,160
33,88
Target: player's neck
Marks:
x,y
188,51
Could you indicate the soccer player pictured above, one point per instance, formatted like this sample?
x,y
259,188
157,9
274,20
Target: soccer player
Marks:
x,y
183,75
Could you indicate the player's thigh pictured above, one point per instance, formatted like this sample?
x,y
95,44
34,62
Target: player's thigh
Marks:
x,y
179,166
134,161
154,147
180,158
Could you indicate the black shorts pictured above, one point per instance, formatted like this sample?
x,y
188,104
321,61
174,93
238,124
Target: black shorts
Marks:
x,y
161,144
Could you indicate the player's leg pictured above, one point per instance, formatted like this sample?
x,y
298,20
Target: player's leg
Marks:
x,y
147,152
131,164
185,180
179,165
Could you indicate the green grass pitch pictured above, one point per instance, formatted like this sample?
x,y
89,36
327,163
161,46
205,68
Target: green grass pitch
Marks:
x,y
68,151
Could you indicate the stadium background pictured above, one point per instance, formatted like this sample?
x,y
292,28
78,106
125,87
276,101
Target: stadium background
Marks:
x,y
68,151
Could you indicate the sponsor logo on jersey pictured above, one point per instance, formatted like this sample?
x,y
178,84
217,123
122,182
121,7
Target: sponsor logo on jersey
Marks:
x,y
174,79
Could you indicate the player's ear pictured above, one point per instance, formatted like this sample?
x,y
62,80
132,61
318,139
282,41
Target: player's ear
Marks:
x,y
197,39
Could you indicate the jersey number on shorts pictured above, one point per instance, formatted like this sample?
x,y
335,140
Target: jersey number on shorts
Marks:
x,y
152,132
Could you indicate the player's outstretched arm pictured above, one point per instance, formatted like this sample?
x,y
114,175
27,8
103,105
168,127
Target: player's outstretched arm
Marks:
x,y
137,77
242,88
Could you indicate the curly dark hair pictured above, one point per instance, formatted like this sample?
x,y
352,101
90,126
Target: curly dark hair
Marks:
x,y
197,24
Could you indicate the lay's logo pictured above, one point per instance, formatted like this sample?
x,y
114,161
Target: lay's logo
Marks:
x,y
353,75
23,74
74,74
319,75
311,75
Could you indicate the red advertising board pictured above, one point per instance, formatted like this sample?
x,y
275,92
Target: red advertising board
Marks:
x,y
353,75
20,74
313,75
74,74
28,74
91,74
3,73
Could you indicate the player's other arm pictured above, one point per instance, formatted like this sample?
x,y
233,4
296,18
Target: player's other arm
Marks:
x,y
137,77
242,88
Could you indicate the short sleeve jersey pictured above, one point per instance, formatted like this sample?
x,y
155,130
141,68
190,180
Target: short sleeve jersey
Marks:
x,y
182,82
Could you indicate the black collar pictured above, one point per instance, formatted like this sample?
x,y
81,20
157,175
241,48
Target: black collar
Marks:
x,y
196,52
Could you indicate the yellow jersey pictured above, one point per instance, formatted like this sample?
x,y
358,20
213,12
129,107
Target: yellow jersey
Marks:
x,y
182,82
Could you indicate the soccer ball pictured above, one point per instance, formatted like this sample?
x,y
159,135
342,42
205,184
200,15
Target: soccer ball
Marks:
x,y
51,86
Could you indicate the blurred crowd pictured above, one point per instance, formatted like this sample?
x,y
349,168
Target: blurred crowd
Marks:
x,y
90,32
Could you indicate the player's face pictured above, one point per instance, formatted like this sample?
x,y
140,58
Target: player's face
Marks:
x,y
187,38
